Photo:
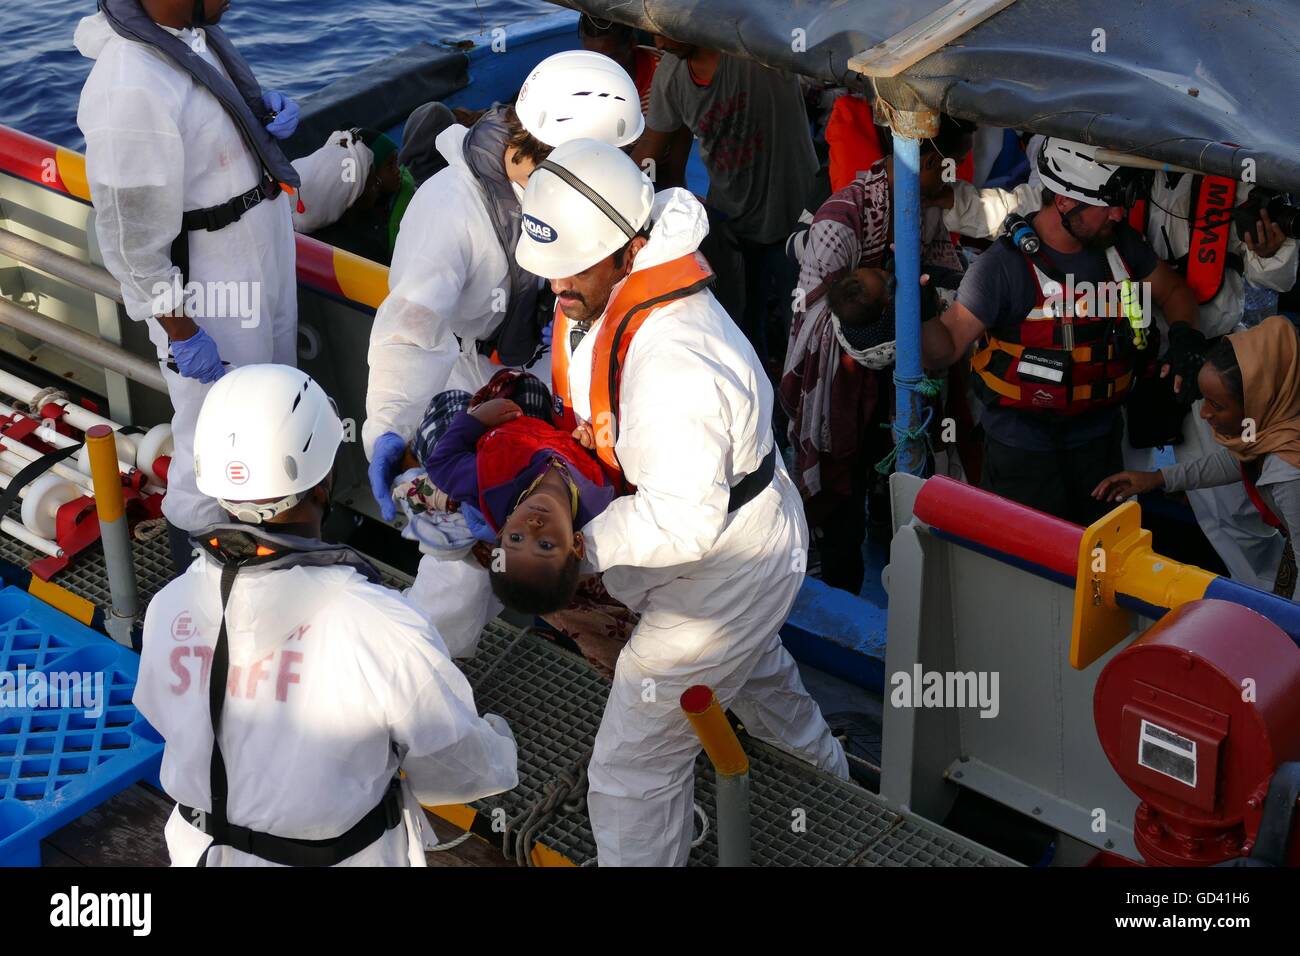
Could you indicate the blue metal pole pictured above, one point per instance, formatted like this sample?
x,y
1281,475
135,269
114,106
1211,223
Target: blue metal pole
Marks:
x,y
907,303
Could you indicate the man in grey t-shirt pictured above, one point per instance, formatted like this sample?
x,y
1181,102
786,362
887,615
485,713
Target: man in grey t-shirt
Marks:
x,y
1051,414
754,138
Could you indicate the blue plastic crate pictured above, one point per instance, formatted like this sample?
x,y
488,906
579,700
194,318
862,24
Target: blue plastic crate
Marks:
x,y
56,762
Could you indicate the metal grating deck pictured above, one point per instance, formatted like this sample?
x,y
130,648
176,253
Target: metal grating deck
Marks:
x,y
85,576
553,702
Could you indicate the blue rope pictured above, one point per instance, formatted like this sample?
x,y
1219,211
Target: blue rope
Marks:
x,y
927,387
921,384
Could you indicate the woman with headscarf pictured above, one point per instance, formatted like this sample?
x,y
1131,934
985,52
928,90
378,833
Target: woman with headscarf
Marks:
x,y
1251,385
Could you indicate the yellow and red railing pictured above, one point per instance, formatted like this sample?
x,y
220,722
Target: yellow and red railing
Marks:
x,y
1111,565
335,272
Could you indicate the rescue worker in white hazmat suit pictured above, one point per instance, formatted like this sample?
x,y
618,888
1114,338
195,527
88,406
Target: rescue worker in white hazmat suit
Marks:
x,y
191,206
710,547
331,682
459,307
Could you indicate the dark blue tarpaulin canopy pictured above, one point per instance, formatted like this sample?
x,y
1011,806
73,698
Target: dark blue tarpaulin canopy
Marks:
x,y
1206,84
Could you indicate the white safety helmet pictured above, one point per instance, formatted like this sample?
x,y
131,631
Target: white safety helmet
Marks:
x,y
585,202
1071,169
266,435
579,94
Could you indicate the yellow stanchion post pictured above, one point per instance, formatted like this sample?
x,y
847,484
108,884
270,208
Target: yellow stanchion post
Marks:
x,y
732,768
114,533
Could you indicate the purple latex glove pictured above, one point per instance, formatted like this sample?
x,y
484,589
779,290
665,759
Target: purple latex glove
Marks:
x,y
197,357
384,464
284,119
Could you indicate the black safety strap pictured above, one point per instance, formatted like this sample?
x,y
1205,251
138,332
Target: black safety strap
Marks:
x,y
217,822
214,218
749,487
43,464
286,851
30,473
595,198
180,255
283,850
576,335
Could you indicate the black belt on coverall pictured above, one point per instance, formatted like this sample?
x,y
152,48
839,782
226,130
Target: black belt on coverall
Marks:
x,y
215,218
749,487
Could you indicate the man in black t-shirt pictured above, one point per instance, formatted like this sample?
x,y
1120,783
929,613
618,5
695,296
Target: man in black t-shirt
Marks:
x,y
1058,351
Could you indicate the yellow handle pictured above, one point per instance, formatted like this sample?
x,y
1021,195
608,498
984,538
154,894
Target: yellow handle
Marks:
x,y
104,475
715,733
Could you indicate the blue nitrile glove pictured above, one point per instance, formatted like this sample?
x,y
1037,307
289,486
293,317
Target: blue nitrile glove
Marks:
x,y
478,524
384,464
547,333
197,357
286,114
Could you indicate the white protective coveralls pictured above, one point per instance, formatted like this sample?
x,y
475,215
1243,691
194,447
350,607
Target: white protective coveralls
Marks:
x,y
158,144
334,684
448,280
712,588
979,213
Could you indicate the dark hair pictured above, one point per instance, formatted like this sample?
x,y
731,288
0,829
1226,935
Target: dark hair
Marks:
x,y
589,26
527,145
531,597
850,302
949,140
619,253
1224,359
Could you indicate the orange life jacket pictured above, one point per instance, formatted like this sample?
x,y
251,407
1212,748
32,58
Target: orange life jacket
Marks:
x,y
562,412
645,291
1065,365
854,145
1211,204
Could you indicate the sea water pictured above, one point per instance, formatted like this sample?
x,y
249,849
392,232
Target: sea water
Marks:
x,y
296,46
